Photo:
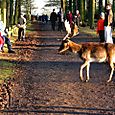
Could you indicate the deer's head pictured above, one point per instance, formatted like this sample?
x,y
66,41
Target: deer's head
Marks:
x,y
64,46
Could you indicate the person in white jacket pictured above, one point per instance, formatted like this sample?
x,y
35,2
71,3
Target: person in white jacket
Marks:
x,y
108,23
22,28
5,38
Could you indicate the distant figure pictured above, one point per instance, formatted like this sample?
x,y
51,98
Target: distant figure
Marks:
x,y
69,17
53,19
5,38
22,28
77,18
108,23
60,20
100,27
46,18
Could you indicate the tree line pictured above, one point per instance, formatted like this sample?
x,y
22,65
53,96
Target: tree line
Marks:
x,y
89,9
10,10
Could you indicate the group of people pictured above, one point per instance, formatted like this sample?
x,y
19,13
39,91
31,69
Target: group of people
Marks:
x,y
60,17
4,34
104,25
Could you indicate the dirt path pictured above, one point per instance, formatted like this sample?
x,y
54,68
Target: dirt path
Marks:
x,y
48,82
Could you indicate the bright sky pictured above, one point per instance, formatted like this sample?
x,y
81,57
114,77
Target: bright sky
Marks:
x,y
39,4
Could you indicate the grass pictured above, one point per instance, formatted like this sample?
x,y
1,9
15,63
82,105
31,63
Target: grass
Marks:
x,y
6,70
92,32
87,30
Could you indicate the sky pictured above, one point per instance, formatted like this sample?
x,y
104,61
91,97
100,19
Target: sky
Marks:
x,y
40,4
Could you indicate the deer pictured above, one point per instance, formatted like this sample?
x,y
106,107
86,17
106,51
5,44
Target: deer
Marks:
x,y
71,29
91,52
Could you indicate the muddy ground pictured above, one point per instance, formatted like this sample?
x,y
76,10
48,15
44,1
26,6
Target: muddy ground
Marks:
x,y
48,83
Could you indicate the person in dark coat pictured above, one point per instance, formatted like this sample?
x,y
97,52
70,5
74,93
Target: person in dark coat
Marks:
x,y
53,19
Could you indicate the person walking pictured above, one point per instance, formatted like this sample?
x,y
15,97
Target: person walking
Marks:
x,y
22,28
77,18
108,24
53,19
60,20
69,17
100,27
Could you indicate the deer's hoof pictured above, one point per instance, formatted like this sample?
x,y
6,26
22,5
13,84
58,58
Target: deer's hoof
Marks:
x,y
108,81
81,78
87,80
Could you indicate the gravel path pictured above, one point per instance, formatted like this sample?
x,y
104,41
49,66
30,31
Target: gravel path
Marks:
x,y
48,82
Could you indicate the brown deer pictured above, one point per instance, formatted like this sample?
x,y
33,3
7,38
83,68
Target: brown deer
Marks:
x,y
91,52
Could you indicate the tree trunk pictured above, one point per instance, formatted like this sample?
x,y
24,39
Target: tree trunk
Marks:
x,y
28,12
74,6
82,9
113,11
0,10
3,11
70,5
16,12
7,13
100,6
92,13
11,13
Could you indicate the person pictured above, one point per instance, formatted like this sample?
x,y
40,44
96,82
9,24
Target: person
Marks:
x,y
5,38
46,18
77,18
1,43
69,17
100,27
108,24
22,28
60,20
53,19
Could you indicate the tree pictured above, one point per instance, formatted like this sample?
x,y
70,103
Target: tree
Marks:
x,y
92,13
64,5
70,5
113,10
7,12
3,11
0,9
100,6
11,12
16,13
82,9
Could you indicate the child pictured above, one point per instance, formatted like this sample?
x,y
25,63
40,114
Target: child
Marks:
x,y
1,43
100,27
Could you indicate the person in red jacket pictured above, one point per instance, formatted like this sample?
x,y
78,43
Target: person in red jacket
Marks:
x,y
1,43
100,27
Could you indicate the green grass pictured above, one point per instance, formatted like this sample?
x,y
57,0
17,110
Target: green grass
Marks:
x,y
87,30
6,70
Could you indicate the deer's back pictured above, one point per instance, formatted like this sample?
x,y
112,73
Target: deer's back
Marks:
x,y
97,52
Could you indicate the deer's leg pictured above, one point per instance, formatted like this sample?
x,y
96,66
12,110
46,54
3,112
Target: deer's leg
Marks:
x,y
112,70
81,70
67,36
88,66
